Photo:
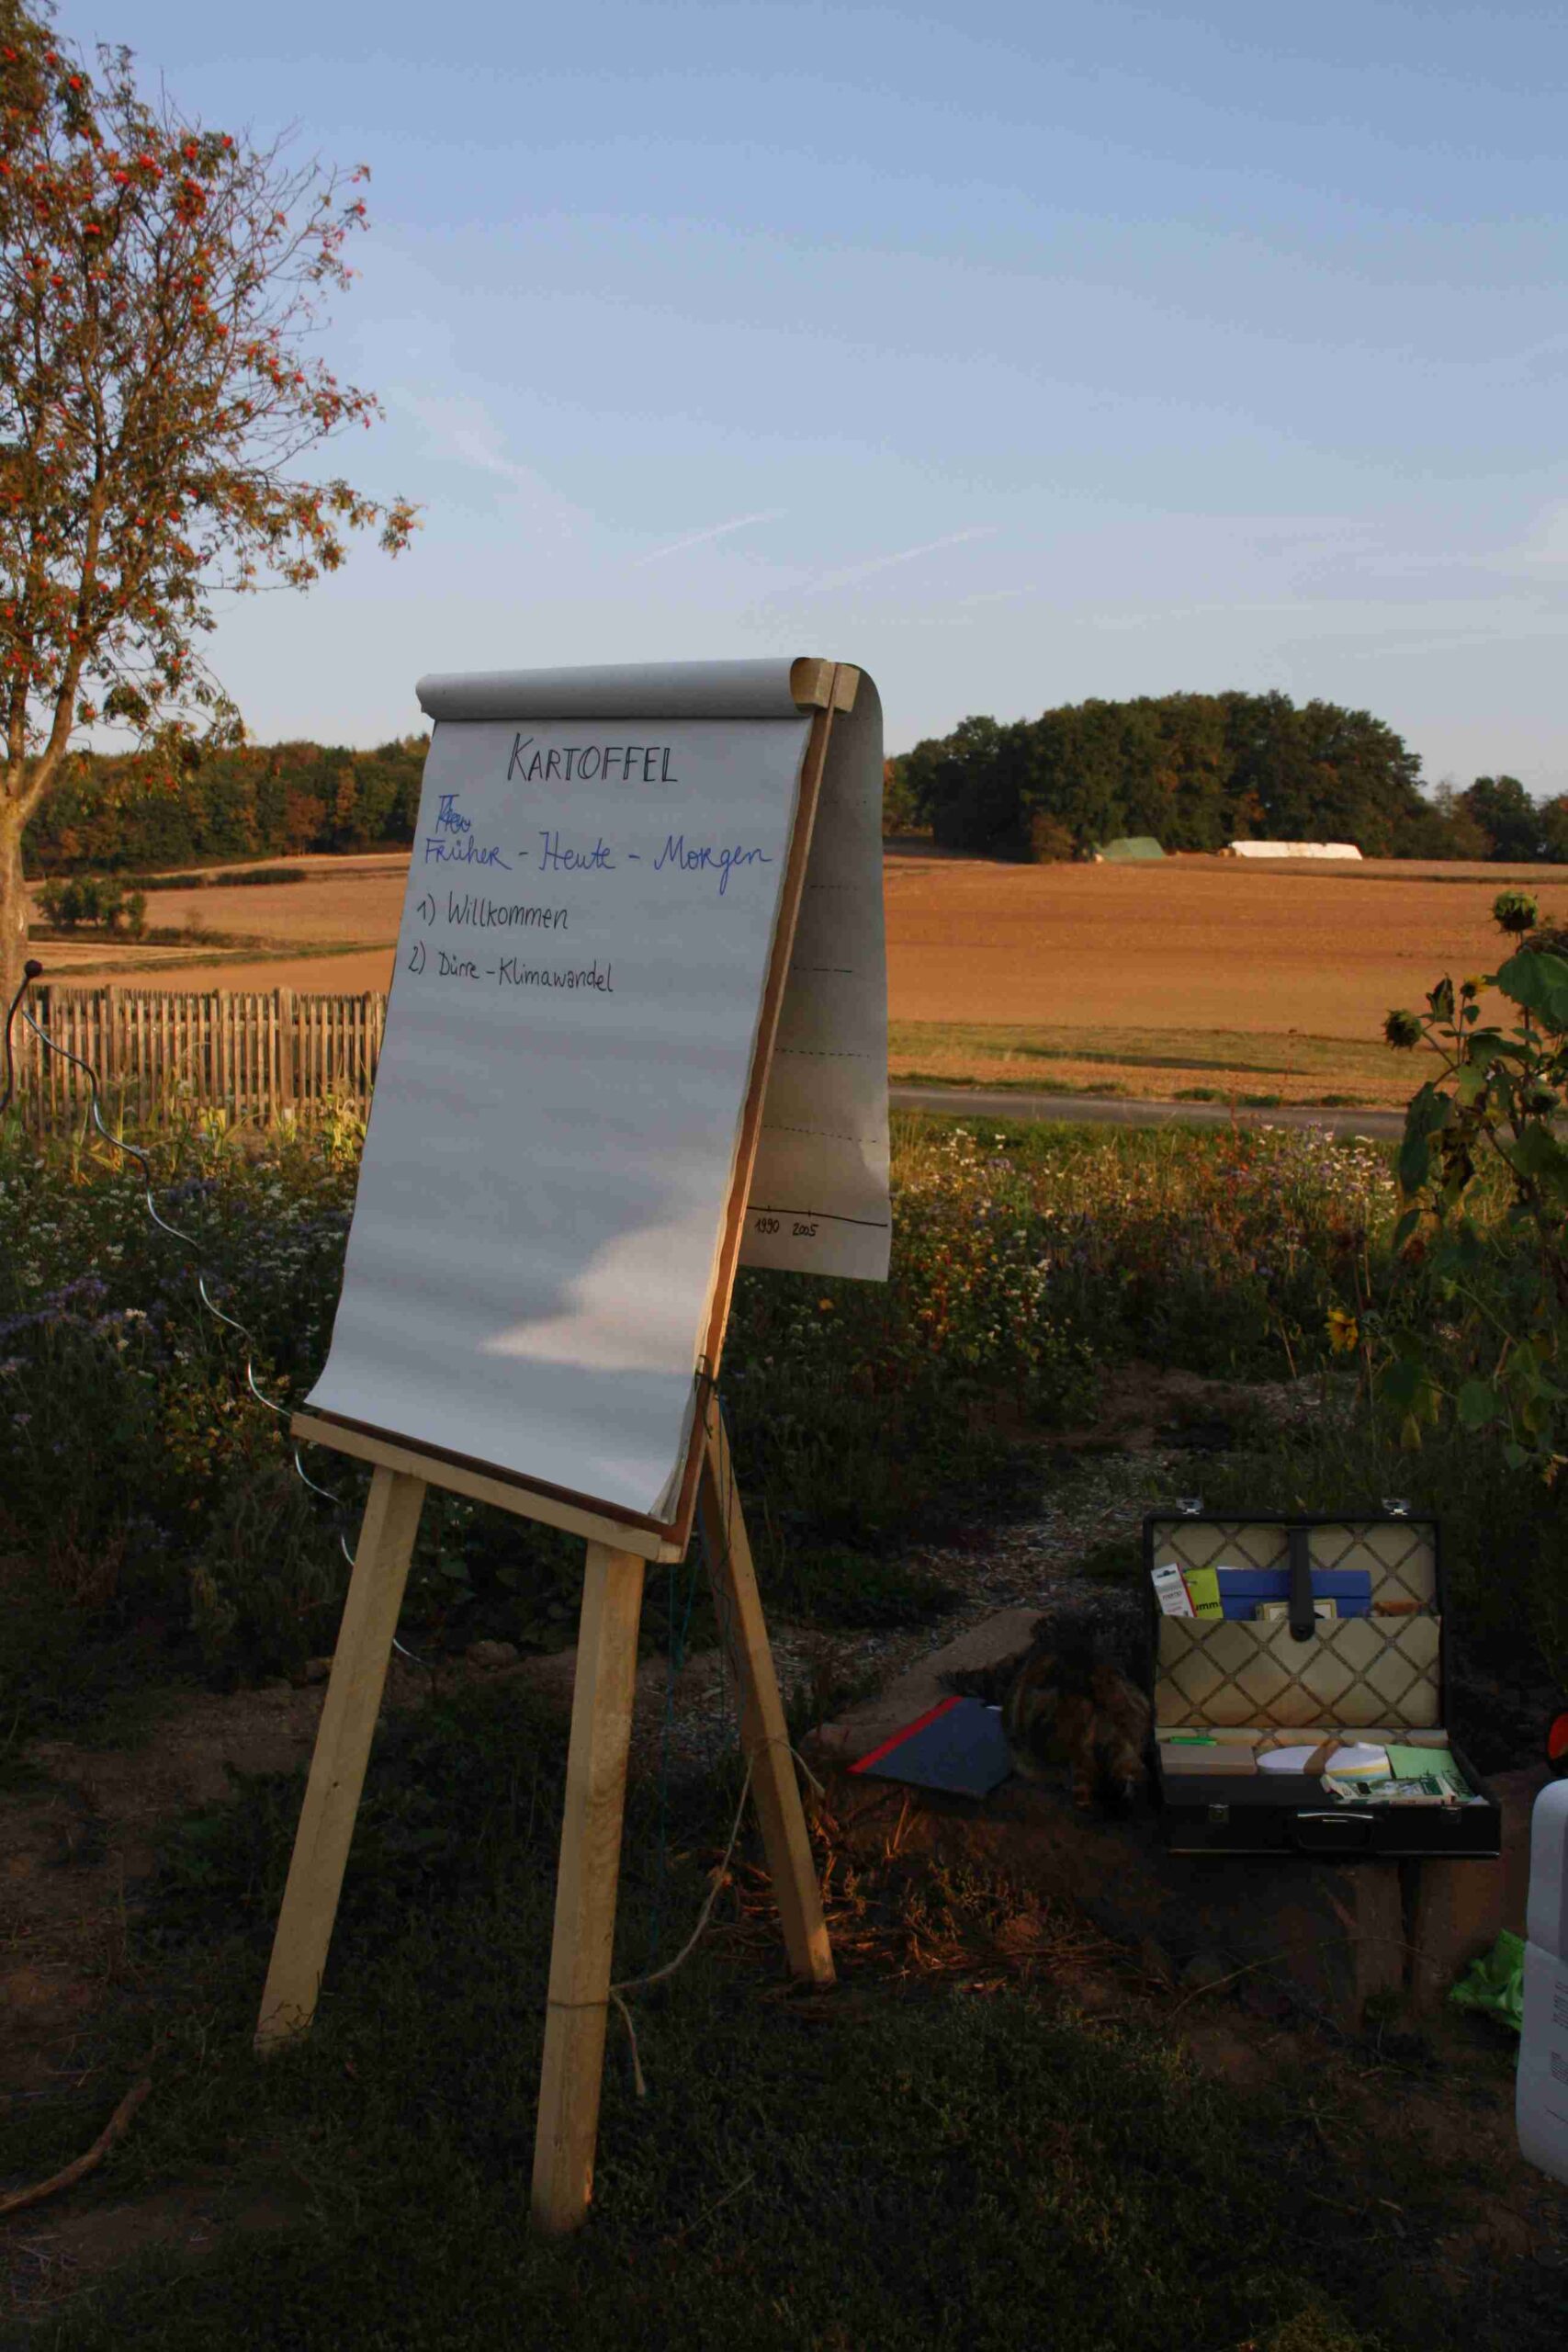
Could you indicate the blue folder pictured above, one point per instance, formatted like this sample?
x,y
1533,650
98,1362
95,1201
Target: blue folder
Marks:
x,y
958,1746
1241,1590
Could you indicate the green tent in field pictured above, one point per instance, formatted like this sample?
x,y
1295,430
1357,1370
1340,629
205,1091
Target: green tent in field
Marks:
x,y
1132,847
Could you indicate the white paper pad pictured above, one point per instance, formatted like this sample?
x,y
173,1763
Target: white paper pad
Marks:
x,y
1357,1758
588,917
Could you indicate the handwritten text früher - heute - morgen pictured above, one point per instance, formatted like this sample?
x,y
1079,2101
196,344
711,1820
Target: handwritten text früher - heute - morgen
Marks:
x,y
675,855
454,843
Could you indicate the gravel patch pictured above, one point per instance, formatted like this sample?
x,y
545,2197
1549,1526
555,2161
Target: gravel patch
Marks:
x,y
1030,1561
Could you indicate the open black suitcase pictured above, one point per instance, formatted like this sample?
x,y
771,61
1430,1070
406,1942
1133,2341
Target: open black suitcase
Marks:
x,y
1228,1689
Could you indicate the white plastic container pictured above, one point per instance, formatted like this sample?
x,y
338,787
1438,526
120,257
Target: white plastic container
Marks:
x,y
1541,2102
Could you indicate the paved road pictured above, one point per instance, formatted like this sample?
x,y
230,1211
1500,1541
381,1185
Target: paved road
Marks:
x,y
1115,1110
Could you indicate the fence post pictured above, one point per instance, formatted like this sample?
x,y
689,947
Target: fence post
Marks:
x,y
287,1054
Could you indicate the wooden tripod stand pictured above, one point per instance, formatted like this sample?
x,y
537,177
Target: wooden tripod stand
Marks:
x,y
618,1551
596,1772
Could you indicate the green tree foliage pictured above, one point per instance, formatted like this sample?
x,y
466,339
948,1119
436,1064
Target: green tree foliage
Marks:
x,y
163,407
254,800
70,903
1444,828
1554,830
1196,770
1508,816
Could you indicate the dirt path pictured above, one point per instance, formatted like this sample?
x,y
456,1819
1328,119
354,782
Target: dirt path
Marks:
x,y
1004,1103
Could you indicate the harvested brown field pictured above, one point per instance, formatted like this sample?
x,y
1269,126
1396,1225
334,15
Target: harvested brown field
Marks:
x,y
333,929
1199,978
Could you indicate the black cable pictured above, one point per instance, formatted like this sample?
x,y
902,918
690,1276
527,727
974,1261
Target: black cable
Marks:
x,y
31,970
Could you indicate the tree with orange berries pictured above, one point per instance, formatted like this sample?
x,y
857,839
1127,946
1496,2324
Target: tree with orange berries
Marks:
x,y
159,282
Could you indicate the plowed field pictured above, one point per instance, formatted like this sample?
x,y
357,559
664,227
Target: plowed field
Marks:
x,y
1197,976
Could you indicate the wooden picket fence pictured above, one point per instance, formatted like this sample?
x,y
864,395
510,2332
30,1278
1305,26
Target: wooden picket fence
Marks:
x,y
161,1054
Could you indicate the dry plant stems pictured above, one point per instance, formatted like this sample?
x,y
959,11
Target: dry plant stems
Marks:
x,y
115,2129
899,1916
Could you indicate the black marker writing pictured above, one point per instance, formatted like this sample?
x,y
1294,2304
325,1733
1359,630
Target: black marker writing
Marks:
x,y
581,763
501,914
517,975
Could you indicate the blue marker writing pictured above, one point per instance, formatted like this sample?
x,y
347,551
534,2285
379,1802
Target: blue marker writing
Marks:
x,y
703,859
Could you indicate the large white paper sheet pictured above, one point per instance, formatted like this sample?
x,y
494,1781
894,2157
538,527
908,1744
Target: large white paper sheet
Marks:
x,y
587,927
819,1202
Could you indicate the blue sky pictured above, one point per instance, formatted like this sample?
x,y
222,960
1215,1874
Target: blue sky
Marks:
x,y
1018,353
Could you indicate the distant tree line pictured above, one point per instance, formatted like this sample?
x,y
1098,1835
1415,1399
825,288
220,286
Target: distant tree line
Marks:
x,y
129,815
1197,771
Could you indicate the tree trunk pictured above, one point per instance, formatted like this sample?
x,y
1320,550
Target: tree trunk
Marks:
x,y
13,905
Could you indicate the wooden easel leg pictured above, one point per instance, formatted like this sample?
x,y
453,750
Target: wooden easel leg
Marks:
x,y
763,1737
585,1890
343,1749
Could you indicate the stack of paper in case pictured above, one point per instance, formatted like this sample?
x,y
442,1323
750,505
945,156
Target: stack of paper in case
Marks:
x,y
1541,2105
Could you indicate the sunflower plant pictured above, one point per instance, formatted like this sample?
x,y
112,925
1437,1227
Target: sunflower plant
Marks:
x,y
1490,1120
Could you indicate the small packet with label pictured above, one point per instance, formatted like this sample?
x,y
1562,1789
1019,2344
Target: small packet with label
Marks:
x,y
1187,1592
1170,1592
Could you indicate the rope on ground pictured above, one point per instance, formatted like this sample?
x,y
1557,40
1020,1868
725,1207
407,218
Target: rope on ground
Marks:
x,y
717,1878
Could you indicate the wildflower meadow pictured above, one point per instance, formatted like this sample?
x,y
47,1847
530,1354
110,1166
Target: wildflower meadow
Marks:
x,y
148,1500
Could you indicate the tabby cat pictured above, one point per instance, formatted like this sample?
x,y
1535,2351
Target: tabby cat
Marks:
x,y
1066,1700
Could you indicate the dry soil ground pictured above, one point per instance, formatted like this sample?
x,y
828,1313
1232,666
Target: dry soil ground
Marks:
x,y
1201,977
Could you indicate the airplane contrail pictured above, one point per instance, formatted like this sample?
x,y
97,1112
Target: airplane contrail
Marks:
x,y
699,538
856,572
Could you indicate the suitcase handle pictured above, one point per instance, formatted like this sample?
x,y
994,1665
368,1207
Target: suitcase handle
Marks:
x,y
1302,1617
1332,1833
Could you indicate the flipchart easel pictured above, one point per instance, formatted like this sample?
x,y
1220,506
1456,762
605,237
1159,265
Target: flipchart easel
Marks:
x,y
618,1549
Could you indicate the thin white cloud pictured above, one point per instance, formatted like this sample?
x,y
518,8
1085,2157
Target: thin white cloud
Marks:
x,y
463,432
1545,546
994,596
855,572
701,538
1163,615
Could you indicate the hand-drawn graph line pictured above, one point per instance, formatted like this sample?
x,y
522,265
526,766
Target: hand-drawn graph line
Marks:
x,y
766,1208
834,1135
